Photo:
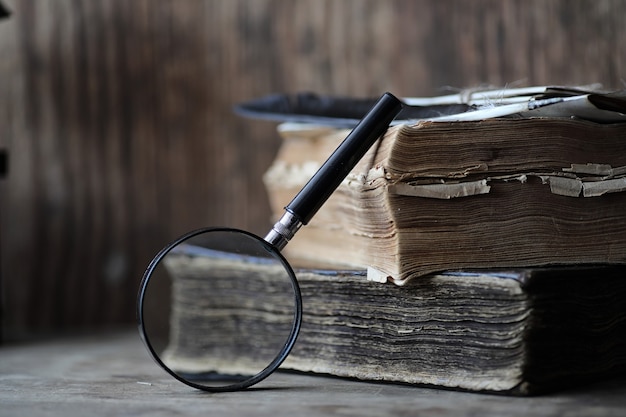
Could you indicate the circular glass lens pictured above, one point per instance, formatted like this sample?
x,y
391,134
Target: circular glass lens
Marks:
x,y
219,309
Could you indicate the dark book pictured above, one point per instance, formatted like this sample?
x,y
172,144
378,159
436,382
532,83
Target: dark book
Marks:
x,y
523,331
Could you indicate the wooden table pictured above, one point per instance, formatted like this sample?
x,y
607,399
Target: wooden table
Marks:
x,y
112,374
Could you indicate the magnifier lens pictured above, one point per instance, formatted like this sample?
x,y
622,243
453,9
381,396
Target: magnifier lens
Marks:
x,y
219,309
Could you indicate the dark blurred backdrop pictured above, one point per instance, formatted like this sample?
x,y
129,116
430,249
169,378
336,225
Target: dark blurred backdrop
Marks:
x,y
117,116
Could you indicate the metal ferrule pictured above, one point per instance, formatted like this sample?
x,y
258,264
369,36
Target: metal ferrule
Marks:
x,y
283,230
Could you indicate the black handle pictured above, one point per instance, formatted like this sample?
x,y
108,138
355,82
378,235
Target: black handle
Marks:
x,y
315,193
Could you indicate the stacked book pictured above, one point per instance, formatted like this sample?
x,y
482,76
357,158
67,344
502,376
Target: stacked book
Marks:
x,y
479,245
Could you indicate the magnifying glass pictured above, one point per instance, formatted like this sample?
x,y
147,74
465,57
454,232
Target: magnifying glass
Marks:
x,y
220,309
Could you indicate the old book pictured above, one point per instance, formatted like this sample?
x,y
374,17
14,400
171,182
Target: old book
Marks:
x,y
586,102
496,230
437,196
517,331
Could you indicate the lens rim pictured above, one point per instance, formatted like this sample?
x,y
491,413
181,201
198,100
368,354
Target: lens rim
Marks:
x,y
280,357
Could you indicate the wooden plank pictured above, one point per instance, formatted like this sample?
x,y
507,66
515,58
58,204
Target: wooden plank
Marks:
x,y
113,375
117,116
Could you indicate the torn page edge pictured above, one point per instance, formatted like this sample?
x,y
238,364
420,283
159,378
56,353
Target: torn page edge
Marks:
x,y
443,191
376,275
574,187
603,170
568,186
598,188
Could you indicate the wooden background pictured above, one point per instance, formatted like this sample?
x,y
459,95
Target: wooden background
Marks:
x,y
117,116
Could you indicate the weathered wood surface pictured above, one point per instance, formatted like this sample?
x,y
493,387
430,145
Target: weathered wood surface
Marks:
x,y
114,376
117,115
